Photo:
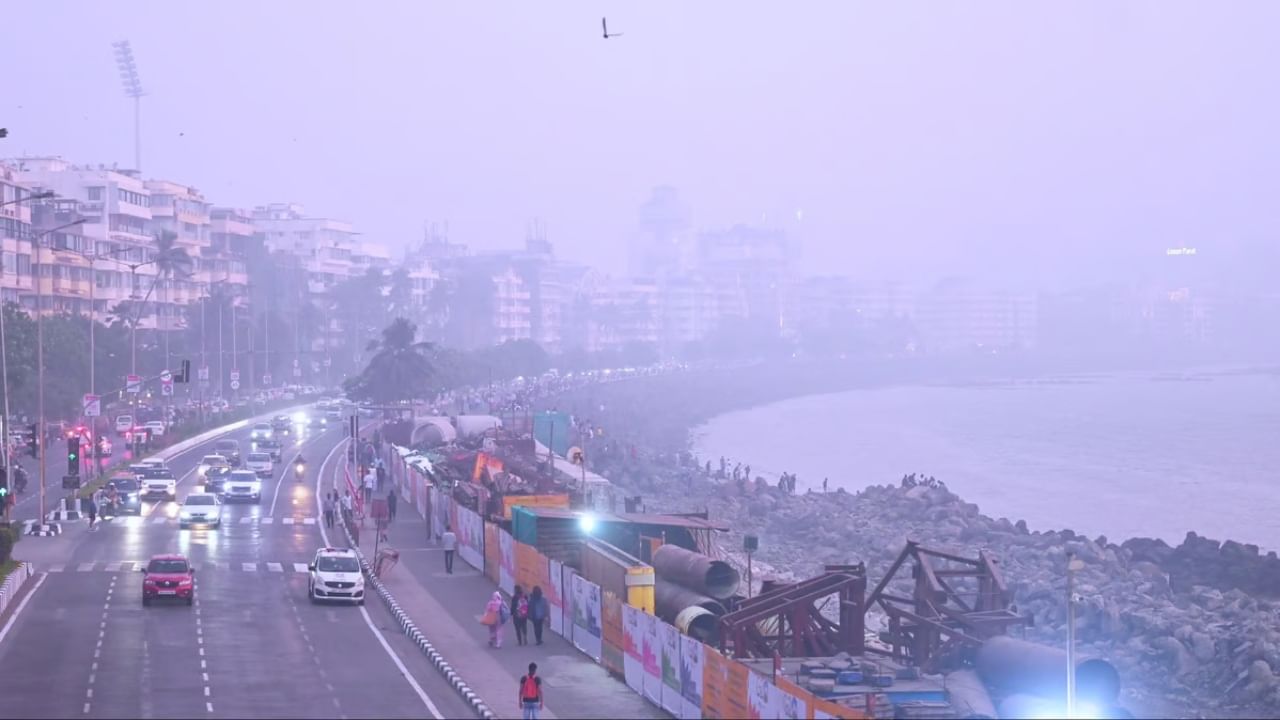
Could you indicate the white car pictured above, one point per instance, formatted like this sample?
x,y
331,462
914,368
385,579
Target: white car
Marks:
x,y
200,509
261,431
152,462
155,427
158,481
260,463
242,485
210,461
124,423
335,575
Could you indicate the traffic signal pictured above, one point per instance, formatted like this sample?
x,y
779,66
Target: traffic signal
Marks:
x,y
73,455
33,439
184,375
4,484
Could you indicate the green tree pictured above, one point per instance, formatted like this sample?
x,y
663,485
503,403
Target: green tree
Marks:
x,y
172,262
400,368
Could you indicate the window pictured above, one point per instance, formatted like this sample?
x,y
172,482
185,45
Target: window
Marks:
x,y
337,564
95,193
24,264
167,566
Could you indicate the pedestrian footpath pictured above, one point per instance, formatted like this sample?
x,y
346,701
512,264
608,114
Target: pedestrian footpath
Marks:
x,y
446,608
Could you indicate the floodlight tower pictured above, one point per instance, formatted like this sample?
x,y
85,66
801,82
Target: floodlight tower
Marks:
x,y
132,88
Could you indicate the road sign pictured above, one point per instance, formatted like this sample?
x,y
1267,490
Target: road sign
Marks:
x,y
92,405
166,389
266,379
235,384
166,376
133,383
203,373
297,372
235,376
296,363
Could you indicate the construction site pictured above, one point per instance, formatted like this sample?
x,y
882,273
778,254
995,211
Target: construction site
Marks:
x,y
657,599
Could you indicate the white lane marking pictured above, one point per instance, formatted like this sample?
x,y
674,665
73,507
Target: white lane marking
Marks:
x,y
275,567
301,567
203,665
97,654
267,520
94,667
246,520
89,693
205,676
413,683
201,652
85,567
208,707
160,521
287,521
56,568
308,521
320,477
113,567
206,691
249,567
91,678
86,708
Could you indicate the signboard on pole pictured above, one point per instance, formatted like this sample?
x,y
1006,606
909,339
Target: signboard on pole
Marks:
x,y
266,379
92,405
297,372
166,376
202,373
235,384
235,376
166,383
133,384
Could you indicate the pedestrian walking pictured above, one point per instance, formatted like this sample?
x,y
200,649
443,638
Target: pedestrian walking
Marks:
x,y
93,511
520,615
531,693
450,542
370,482
495,616
381,470
348,507
824,486
391,505
537,612
328,510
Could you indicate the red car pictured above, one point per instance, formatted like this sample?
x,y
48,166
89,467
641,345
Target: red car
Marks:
x,y
168,576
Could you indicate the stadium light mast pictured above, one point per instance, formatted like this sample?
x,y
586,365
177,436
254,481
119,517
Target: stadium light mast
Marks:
x,y
132,88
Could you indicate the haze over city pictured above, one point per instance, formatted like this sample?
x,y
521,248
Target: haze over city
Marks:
x,y
1034,145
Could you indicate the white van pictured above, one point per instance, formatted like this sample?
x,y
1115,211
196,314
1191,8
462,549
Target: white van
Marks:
x,y
124,423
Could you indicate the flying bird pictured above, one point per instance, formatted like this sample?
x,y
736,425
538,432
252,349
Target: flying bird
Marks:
x,y
4,132
604,22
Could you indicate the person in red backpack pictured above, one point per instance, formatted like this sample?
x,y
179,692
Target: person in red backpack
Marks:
x,y
520,615
531,693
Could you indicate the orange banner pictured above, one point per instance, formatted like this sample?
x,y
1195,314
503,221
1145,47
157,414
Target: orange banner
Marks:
x,y
551,501
724,686
484,460
794,690
492,552
531,568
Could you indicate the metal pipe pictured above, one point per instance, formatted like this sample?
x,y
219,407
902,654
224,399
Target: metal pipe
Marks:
x,y
1009,666
969,696
670,599
714,578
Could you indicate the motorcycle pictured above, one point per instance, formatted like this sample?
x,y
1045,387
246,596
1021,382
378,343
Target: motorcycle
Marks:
x,y
299,470
20,481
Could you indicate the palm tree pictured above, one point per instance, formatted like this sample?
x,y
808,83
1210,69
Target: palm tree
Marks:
x,y
399,370
171,262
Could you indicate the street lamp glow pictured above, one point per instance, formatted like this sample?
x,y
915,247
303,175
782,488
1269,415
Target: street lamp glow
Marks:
x,y
588,523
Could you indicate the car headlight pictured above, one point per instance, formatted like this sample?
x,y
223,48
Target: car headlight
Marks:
x,y
186,514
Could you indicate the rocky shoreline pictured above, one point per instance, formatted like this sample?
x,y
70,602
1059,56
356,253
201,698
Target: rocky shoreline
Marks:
x,y
1193,629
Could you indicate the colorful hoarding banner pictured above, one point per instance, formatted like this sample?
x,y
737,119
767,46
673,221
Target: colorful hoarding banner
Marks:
x,y
691,656
669,640
632,639
533,501
587,631
470,531
556,598
507,560
651,655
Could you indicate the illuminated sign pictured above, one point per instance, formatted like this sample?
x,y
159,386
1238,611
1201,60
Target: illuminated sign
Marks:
x,y
1180,251
547,501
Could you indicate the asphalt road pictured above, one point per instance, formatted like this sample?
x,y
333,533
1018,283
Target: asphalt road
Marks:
x,y
252,645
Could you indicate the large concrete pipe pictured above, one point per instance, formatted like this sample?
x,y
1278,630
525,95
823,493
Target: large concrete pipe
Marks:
x,y
714,578
1011,667
670,599
699,623
969,696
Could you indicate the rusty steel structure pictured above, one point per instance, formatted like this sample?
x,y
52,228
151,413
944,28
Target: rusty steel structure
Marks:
x,y
957,604
788,621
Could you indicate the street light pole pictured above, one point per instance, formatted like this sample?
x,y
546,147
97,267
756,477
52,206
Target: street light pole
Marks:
x,y
1074,565
41,434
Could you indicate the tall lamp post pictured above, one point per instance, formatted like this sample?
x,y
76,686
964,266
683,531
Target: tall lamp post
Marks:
x,y
132,85
1074,565
42,435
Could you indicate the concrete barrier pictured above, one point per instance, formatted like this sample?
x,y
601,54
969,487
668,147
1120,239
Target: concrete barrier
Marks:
x,y
14,583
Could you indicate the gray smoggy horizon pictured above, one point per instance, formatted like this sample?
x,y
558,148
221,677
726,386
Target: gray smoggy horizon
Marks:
x,y
1033,146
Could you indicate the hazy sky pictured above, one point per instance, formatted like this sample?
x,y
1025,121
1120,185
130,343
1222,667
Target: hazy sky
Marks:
x,y
1032,140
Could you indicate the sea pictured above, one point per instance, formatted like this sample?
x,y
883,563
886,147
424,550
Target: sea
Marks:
x,y
1121,455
